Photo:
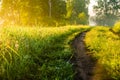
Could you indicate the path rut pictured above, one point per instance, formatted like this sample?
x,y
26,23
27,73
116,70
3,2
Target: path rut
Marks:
x,y
83,64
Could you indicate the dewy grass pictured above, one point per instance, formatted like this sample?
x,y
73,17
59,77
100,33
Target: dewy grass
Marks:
x,y
36,53
105,48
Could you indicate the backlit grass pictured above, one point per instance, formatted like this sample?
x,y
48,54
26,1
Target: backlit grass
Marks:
x,y
105,48
36,53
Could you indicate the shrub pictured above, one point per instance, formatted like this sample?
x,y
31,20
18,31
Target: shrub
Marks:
x,y
116,27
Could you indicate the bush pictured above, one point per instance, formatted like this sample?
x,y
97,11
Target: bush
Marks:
x,y
82,18
116,27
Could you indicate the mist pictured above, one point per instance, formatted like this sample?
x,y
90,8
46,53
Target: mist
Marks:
x,y
103,13
92,13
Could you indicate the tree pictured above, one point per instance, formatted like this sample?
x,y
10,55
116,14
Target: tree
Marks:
x,y
31,12
15,11
83,18
107,12
74,8
50,6
45,12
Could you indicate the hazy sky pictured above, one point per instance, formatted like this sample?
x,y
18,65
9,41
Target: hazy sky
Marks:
x,y
91,12
92,3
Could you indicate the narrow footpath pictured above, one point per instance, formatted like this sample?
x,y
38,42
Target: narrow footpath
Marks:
x,y
83,64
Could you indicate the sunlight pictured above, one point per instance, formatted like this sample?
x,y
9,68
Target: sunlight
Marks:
x,y
59,39
0,4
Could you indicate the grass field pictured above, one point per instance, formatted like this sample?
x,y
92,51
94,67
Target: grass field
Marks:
x,y
105,46
37,53
44,53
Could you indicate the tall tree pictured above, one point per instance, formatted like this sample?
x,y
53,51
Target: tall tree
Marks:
x,y
50,6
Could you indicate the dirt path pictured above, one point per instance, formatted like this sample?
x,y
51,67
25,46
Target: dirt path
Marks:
x,y
82,62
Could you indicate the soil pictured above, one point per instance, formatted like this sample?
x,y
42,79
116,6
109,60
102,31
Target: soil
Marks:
x,y
82,61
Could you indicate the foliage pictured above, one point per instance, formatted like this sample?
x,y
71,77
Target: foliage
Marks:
x,y
74,7
32,12
83,18
107,12
41,12
105,48
116,27
36,53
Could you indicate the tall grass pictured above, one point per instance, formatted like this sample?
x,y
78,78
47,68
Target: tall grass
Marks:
x,y
105,48
36,53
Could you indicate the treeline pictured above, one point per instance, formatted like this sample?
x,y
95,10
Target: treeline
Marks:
x,y
107,12
43,12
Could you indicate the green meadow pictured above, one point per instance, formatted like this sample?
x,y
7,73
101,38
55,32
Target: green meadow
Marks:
x,y
44,53
37,53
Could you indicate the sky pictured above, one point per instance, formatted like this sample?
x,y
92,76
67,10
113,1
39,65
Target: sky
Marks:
x,y
90,8
91,12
